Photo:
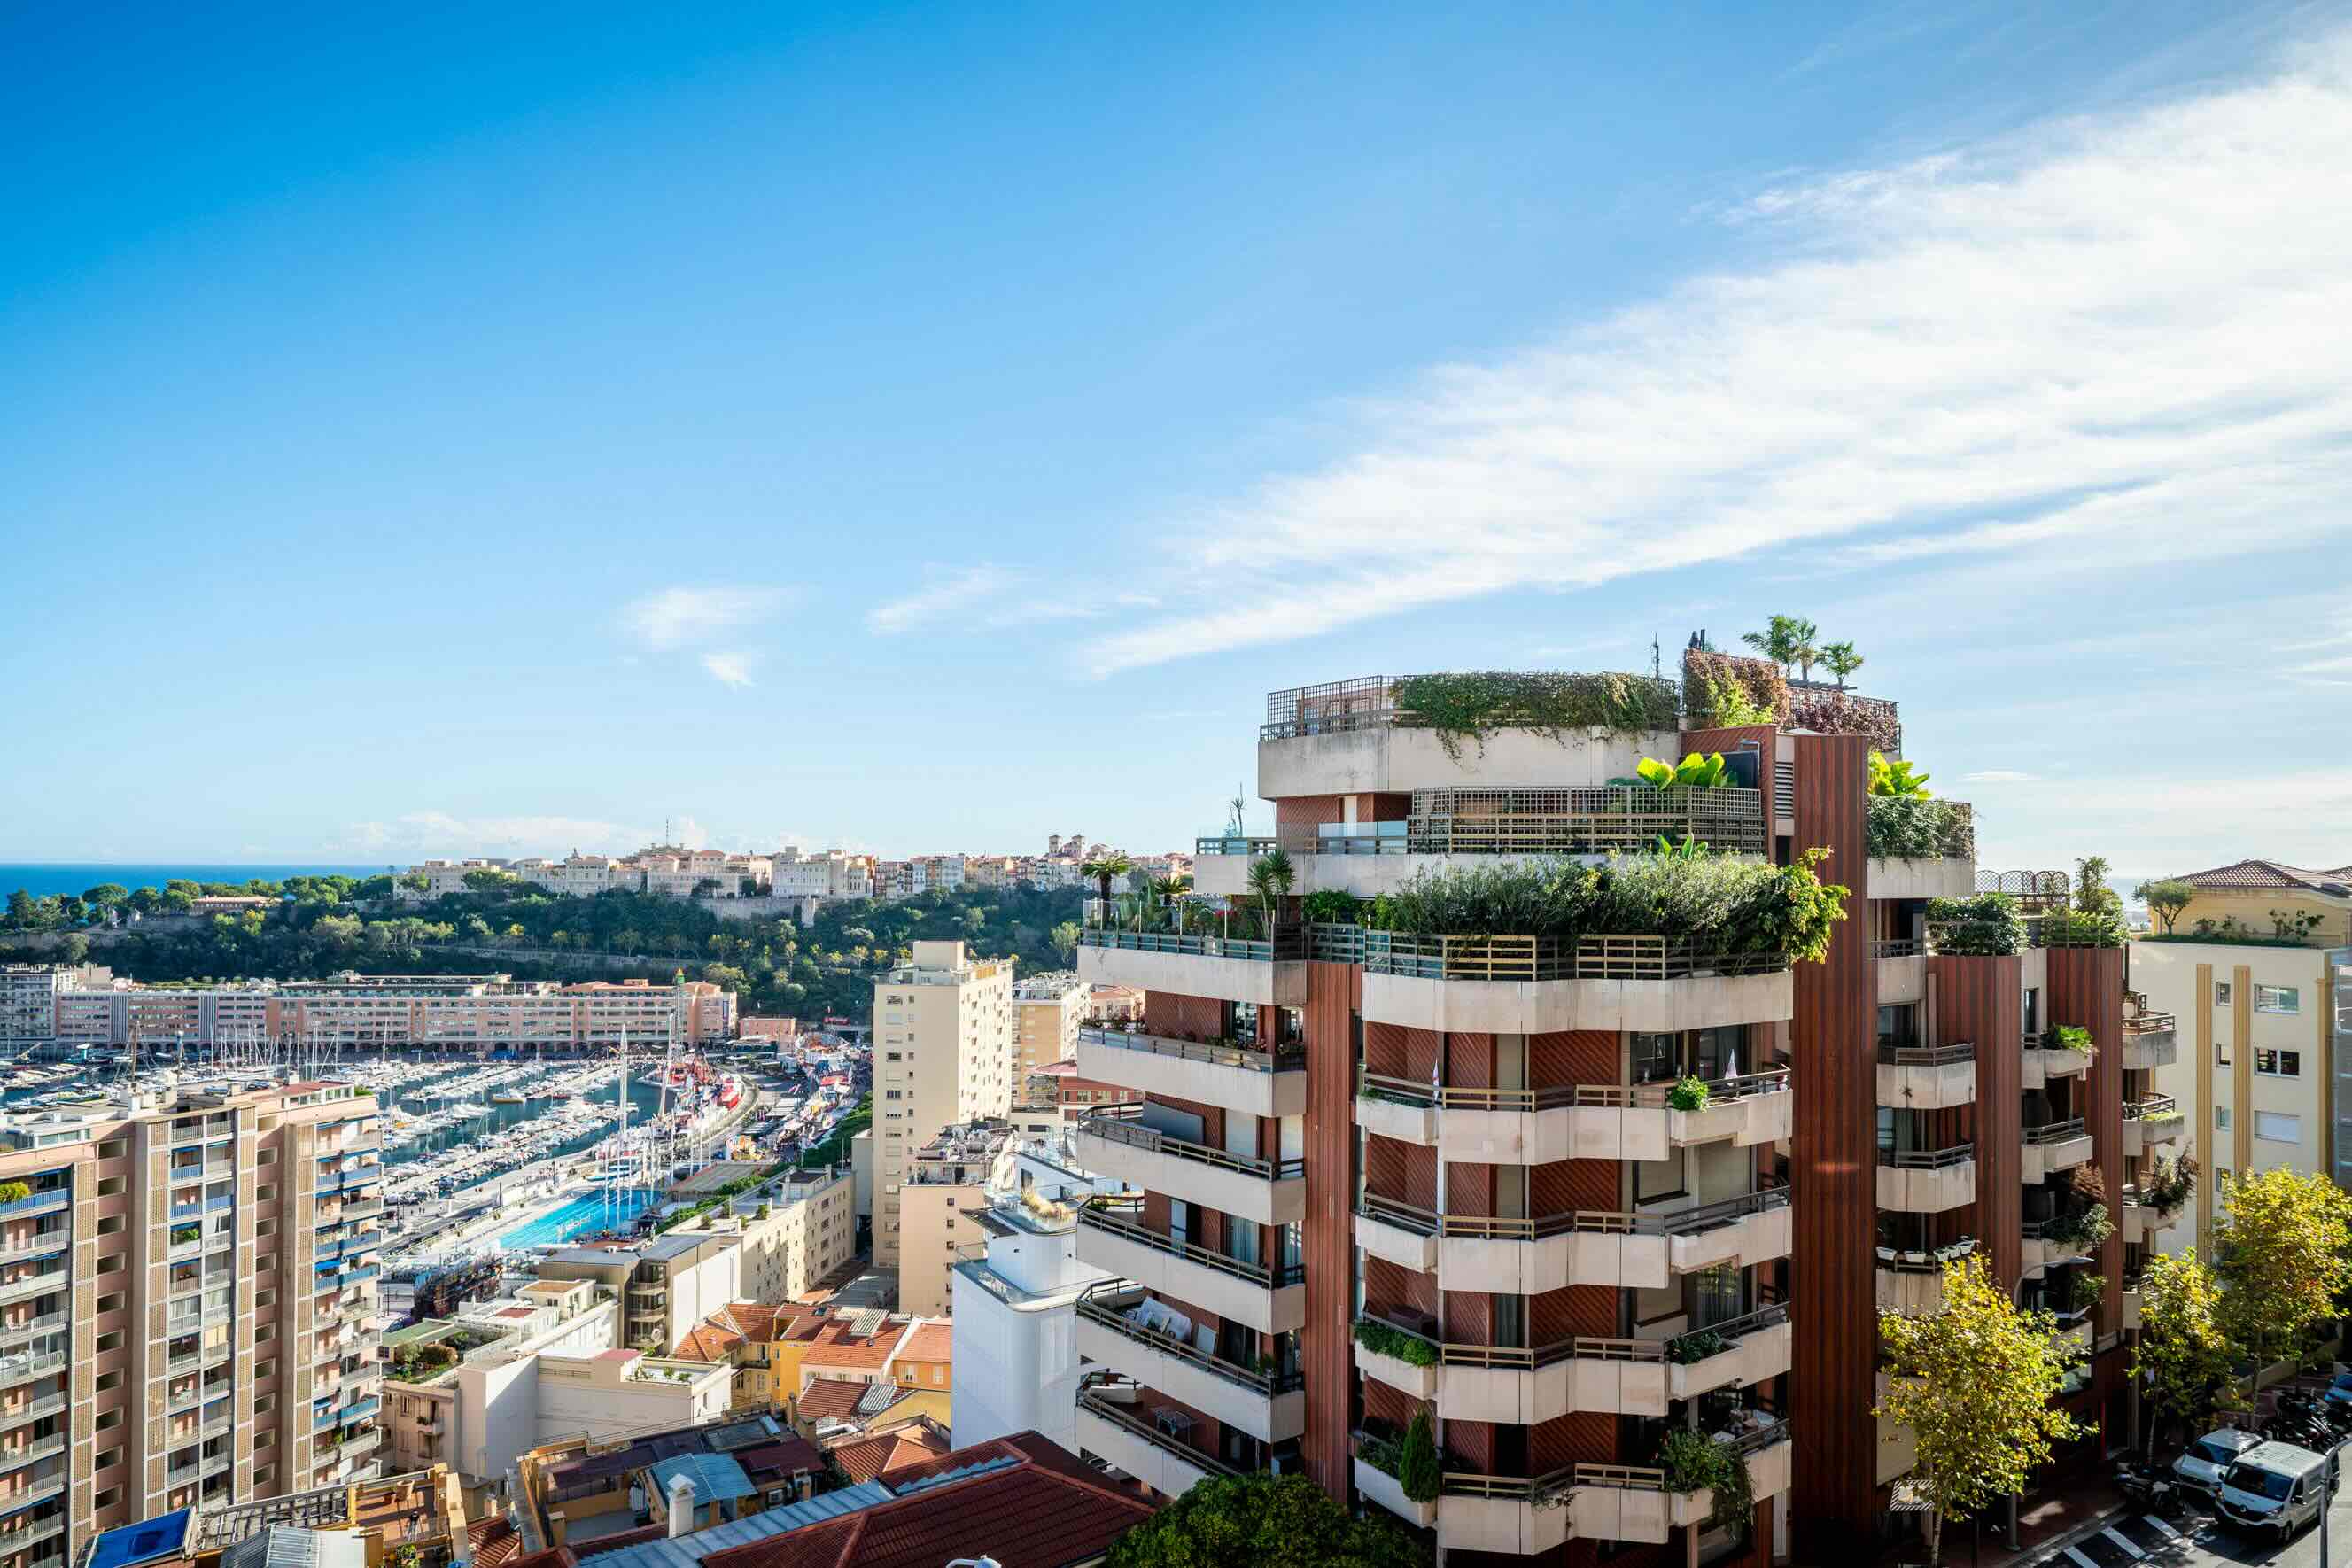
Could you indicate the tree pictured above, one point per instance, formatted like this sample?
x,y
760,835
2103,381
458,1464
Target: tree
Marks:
x,y
2279,1248
1417,1469
76,948
1261,1521
2183,1360
1974,1383
1842,661
1784,640
1102,868
20,909
1271,877
1804,651
105,897
1064,939
2166,899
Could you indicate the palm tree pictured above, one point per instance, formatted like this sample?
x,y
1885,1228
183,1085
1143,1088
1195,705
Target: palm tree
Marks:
x,y
1801,649
1102,868
1271,878
1841,659
1777,642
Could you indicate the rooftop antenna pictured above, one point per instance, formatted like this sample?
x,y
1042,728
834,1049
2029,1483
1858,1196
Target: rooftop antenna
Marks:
x,y
1656,668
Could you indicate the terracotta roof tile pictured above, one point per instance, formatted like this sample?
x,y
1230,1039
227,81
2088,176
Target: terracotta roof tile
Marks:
x,y
2255,875
618,1539
834,1398
837,1345
885,1453
931,1341
707,1342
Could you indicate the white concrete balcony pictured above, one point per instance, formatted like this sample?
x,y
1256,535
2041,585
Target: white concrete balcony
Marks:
x,y
1516,1516
2041,1063
2148,1123
1526,1257
1577,1122
1927,1181
1908,1281
1902,971
2143,1222
1111,1330
1117,1427
1926,1077
1349,738
1238,1077
1265,974
1508,984
1114,1239
1943,876
1406,1376
1270,1191
2051,1147
2152,1039
1378,1487
1397,1233
1527,1387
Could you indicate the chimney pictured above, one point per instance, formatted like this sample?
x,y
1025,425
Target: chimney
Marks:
x,y
681,1506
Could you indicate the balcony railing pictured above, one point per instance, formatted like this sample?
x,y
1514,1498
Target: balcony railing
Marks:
x,y
1927,1159
17,1369
1111,1220
1590,1222
1925,1260
1639,1096
1370,702
1529,822
2053,1132
1288,942
1913,1056
1123,1417
1103,1304
1248,1058
1117,1124
51,1202
38,1246
2153,1107
1539,958
1904,947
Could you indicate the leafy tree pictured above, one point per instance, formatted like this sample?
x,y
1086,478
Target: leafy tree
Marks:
x,y
1842,661
2166,899
1261,1521
2280,1246
1064,939
1103,868
1779,640
2182,1358
1417,1470
76,948
1271,878
1806,652
20,909
105,896
1974,1383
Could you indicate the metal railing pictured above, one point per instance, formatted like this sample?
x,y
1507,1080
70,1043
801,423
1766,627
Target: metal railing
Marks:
x,y
1123,1417
1905,947
1249,1058
1288,942
1591,1222
1108,1218
1639,1096
1928,1056
1102,1304
1923,1261
1588,821
2053,1132
1370,702
1538,958
51,1202
2036,892
2152,1107
1929,1159
1117,1124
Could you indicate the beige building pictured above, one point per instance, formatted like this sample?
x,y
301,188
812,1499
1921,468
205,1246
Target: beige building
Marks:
x,y
796,1230
942,1056
1048,1010
667,1284
464,1391
954,1176
2263,1025
187,1302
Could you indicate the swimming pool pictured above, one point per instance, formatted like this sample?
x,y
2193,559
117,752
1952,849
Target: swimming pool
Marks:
x,y
589,1211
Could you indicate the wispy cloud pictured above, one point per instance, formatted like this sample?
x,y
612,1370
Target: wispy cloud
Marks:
x,y
728,668
2120,336
2000,776
420,834
681,617
945,594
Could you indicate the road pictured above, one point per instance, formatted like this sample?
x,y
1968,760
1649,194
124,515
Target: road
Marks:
x,y
2198,1539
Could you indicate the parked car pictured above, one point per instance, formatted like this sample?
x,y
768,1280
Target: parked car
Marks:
x,y
2340,1390
2275,1487
2203,1463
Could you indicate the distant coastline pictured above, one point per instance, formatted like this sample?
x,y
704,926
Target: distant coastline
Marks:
x,y
43,879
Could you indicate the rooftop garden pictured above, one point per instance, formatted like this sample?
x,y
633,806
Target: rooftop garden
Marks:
x,y
1468,706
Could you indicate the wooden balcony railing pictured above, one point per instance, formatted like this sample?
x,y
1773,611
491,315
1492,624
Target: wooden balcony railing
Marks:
x,y
1217,1053
1533,958
1118,1123
1122,1220
1591,1222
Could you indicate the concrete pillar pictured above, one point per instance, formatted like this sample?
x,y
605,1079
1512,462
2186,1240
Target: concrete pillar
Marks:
x,y
681,1507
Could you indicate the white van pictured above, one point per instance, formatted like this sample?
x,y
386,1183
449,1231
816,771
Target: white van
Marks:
x,y
2275,1487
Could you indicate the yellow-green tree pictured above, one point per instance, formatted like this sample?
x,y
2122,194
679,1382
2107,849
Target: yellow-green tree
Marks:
x,y
2183,1358
2283,1247
1973,1382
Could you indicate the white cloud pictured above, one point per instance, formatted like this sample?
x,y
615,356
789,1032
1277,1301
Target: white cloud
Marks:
x,y
681,616
2125,337
945,594
422,834
1999,776
728,668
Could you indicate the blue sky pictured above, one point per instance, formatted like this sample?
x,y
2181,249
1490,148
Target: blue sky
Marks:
x,y
495,429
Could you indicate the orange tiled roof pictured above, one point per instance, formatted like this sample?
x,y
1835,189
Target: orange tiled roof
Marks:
x,y
836,1345
707,1342
883,1453
834,1398
930,1342
2258,876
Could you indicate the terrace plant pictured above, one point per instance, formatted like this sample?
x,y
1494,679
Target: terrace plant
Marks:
x,y
14,1192
2069,1038
1694,1461
1417,1470
2086,1290
1271,878
1725,691
1912,828
1388,1340
1474,704
2170,1184
1688,1093
1330,906
1986,925
1693,772
2166,899
1688,1350
1895,777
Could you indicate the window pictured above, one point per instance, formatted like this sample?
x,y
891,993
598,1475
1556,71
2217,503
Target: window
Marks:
x,y
107,1380
110,1303
112,1342
108,1420
111,1226
2278,1127
110,1459
2221,993
113,1147
109,1498
2279,1064
2277,999
2221,1119
109,1187
264,1195
1657,1059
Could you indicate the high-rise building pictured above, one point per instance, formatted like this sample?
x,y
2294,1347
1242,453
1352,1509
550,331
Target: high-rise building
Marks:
x,y
186,1307
950,1180
1567,1194
1048,1009
942,1057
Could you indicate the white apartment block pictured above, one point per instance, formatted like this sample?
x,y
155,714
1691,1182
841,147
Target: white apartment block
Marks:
x,y
808,1230
29,993
480,1011
942,1057
1016,1364
464,1391
954,1177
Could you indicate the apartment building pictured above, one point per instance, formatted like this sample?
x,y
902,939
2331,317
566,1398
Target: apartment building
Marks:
x,y
951,1179
1048,1010
90,1007
666,1284
186,1307
463,1391
29,993
797,1230
1013,1313
1469,1140
942,1056
2253,975
669,871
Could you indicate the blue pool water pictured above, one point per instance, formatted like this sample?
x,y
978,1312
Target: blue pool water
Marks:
x,y
590,1211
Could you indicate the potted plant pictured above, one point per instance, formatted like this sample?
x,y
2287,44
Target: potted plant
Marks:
x,y
1690,1093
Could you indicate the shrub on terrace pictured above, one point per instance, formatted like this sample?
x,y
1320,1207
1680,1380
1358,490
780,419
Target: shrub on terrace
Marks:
x,y
1986,925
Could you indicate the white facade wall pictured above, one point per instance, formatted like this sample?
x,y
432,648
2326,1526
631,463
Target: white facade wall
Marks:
x,y
584,1394
1016,1359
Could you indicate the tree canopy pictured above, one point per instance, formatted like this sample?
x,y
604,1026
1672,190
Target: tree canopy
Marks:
x,y
1262,1521
2283,1247
2183,1359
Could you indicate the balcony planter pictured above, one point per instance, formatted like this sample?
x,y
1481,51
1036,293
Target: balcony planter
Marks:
x,y
1421,1382
1377,1486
